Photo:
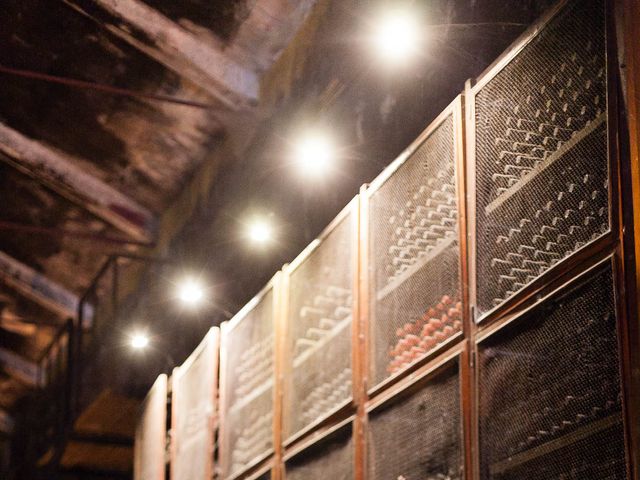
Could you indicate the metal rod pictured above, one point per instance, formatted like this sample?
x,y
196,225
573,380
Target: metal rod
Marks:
x,y
36,229
71,82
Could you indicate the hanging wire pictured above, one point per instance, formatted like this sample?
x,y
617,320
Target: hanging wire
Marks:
x,y
71,82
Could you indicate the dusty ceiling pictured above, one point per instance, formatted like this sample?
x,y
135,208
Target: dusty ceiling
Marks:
x,y
90,159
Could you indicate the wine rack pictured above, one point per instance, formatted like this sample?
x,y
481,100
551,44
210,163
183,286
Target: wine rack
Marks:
x,y
330,457
264,476
418,434
247,385
320,312
415,339
542,173
151,434
549,382
194,403
361,360
414,257
253,438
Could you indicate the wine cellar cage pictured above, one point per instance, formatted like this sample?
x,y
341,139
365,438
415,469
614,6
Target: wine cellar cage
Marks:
x,y
151,434
549,385
541,158
320,306
418,434
194,391
414,251
247,393
264,476
331,457
468,314
265,473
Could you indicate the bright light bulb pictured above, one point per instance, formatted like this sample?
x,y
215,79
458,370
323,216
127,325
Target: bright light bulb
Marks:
x,y
139,341
190,292
260,232
396,36
314,153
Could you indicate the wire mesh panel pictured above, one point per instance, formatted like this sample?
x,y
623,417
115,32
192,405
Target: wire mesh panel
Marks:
x,y
549,389
319,330
150,437
418,436
247,376
541,154
194,390
414,255
331,458
265,476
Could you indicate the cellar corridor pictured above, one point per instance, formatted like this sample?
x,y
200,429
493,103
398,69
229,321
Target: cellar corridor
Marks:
x,y
292,240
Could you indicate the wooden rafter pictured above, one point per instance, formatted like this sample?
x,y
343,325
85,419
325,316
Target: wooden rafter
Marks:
x,y
58,171
38,288
193,57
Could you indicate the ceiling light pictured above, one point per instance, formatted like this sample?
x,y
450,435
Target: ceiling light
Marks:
x,y
396,36
314,153
190,292
260,231
139,341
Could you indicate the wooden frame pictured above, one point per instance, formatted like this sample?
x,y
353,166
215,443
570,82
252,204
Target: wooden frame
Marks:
x,y
628,28
261,471
623,136
605,241
208,350
154,405
417,380
317,438
455,110
569,278
347,407
361,347
258,463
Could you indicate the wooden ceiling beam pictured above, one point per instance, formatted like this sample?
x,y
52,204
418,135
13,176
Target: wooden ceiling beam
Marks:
x,y
39,289
19,367
195,58
60,173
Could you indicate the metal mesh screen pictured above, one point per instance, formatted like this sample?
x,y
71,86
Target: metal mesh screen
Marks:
x,y
150,437
414,257
319,326
194,396
248,403
419,435
331,458
541,154
550,400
